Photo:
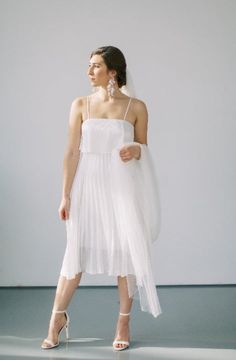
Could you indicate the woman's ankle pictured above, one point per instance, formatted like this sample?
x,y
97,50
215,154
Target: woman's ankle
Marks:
x,y
123,320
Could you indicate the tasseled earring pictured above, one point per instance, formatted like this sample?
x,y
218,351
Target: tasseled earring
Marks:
x,y
111,87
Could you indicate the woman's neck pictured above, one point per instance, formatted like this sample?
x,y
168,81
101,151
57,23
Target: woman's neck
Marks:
x,y
105,96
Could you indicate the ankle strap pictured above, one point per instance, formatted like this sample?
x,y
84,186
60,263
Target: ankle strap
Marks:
x,y
59,311
124,314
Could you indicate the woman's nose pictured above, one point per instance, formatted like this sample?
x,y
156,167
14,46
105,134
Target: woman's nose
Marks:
x,y
90,71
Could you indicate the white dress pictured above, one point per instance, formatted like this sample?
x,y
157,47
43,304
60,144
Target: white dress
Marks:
x,y
114,214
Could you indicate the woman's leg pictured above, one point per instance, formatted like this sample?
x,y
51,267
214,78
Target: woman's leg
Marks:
x,y
122,329
64,292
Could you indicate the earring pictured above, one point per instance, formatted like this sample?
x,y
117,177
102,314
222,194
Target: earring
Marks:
x,y
111,87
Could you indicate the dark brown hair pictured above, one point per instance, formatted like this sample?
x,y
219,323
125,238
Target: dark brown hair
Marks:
x,y
114,60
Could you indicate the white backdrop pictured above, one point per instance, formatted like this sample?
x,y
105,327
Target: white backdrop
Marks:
x,y
182,57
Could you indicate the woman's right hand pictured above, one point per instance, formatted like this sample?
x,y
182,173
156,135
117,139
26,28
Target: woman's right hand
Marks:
x,y
64,208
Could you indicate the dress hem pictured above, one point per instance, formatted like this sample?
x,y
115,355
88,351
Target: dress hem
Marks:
x,y
71,277
134,296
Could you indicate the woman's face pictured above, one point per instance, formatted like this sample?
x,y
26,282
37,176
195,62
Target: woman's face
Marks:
x,y
97,71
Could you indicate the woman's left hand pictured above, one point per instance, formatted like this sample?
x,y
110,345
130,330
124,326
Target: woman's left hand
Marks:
x,y
129,152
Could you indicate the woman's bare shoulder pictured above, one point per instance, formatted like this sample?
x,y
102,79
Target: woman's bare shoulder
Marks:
x,y
138,103
139,106
78,102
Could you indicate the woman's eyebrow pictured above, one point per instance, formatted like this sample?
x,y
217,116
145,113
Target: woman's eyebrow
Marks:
x,y
95,63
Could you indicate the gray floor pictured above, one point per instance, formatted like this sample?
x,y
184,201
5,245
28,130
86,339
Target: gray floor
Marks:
x,y
198,322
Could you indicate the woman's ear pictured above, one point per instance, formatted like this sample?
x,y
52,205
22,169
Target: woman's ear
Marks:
x,y
113,73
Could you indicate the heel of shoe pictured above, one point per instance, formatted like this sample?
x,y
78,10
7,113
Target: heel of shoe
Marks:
x,y
67,325
67,332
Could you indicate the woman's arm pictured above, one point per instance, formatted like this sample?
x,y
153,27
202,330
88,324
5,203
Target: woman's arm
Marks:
x,y
72,152
141,124
140,133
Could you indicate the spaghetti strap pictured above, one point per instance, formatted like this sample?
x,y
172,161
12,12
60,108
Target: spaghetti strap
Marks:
x,y
127,108
87,107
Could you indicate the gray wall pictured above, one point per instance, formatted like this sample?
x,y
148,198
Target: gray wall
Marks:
x,y
182,57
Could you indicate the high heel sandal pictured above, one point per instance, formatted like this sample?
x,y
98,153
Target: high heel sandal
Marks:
x,y
66,327
115,342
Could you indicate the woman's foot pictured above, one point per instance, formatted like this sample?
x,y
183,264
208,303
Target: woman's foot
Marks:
x,y
57,321
122,332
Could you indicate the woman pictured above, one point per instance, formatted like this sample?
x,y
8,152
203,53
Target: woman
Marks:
x,y
109,197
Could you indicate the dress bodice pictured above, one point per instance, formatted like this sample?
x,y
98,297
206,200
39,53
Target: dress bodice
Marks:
x,y
104,135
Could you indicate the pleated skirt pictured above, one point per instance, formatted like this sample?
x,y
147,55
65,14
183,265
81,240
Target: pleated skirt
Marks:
x,y
94,244
113,220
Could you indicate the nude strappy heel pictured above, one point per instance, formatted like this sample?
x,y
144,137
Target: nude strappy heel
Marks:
x,y
115,342
66,327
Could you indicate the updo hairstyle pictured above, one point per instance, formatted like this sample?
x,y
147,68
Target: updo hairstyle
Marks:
x,y
114,60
